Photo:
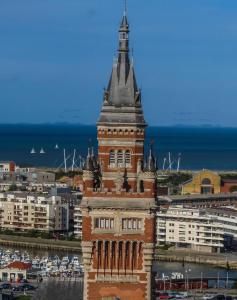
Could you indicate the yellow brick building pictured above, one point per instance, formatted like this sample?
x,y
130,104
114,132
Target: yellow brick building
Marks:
x,y
204,182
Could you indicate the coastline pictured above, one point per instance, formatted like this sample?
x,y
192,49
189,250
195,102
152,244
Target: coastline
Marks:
x,y
39,243
226,261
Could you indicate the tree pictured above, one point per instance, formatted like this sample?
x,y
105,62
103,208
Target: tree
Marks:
x,y
12,187
233,189
60,290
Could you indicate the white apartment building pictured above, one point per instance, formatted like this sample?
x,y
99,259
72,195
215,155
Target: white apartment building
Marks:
x,y
208,230
24,211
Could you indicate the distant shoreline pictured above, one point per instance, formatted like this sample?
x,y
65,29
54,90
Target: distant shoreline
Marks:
x,y
213,259
65,124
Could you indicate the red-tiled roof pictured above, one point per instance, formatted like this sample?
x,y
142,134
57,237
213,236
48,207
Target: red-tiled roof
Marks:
x,y
19,265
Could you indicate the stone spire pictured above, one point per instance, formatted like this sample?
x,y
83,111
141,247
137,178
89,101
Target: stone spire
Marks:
x,y
151,162
122,98
88,163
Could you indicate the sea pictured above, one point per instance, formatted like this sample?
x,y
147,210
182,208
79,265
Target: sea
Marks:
x,y
195,148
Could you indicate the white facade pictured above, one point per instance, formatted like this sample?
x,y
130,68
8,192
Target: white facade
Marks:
x,y
7,166
201,230
22,211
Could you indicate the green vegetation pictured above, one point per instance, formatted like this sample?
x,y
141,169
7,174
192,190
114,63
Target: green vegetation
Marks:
x,y
38,234
12,187
23,297
59,174
233,188
72,290
175,179
228,175
234,286
165,246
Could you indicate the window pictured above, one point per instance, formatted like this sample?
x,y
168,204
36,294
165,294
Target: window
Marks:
x,y
142,186
120,157
127,157
206,181
131,224
206,186
123,36
112,157
104,223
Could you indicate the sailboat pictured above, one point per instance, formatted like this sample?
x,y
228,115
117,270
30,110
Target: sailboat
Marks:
x,y
42,151
56,147
32,151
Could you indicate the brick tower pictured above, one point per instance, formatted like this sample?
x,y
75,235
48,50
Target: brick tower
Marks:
x,y
118,206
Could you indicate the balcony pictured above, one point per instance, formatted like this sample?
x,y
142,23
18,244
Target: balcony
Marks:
x,y
41,216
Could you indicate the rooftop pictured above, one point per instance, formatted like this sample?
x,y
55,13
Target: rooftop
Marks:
x,y
19,265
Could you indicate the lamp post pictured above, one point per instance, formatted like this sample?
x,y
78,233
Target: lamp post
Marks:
x,y
201,281
187,282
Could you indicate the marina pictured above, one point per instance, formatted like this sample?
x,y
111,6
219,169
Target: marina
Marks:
x,y
53,262
42,264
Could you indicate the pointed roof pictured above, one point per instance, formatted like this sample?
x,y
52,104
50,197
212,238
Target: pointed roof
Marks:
x,y
124,26
122,98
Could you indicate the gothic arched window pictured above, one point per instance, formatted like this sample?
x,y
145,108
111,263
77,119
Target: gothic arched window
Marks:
x,y
206,181
120,157
206,186
112,157
127,157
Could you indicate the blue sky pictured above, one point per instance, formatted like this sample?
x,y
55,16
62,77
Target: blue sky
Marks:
x,y
56,57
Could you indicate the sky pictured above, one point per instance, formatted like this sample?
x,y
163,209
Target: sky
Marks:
x,y
56,57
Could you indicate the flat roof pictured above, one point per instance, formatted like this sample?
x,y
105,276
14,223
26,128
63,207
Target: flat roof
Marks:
x,y
198,197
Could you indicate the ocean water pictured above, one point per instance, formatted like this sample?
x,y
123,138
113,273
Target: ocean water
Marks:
x,y
210,148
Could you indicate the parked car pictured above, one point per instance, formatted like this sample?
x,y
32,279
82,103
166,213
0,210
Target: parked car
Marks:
x,y
219,297
24,287
208,296
28,287
24,281
178,295
18,288
165,296
5,286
